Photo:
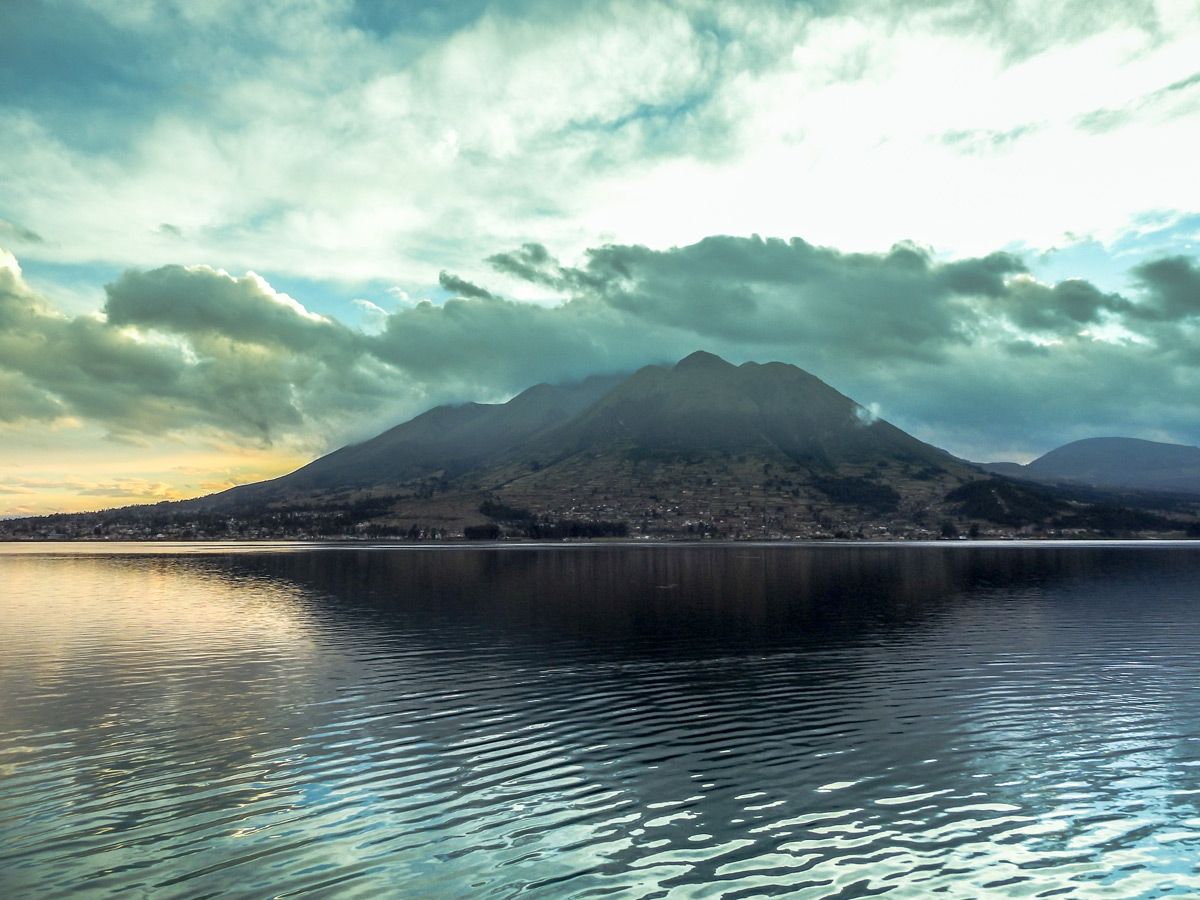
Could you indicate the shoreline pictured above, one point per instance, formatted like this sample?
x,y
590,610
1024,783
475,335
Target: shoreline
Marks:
x,y
7,544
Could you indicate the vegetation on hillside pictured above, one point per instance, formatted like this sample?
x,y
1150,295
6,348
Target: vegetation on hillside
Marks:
x,y
861,492
1004,502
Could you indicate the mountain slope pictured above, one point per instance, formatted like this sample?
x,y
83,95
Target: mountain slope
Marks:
x,y
445,440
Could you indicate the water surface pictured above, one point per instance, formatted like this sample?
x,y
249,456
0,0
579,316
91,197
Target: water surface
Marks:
x,y
680,721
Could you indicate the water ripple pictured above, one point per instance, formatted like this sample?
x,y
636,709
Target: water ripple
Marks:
x,y
816,722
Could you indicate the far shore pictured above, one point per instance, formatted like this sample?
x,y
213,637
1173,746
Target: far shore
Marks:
x,y
626,543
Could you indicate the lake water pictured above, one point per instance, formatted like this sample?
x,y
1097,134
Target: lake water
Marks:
x,y
678,721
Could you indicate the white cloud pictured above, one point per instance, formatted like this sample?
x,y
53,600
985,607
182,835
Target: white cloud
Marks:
x,y
353,159
868,137
368,307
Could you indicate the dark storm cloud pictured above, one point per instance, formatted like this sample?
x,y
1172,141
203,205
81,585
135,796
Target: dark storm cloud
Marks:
x,y
532,263
899,304
972,352
476,343
83,367
178,349
1071,304
1173,286
986,277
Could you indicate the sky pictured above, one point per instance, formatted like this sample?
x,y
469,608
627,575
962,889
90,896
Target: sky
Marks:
x,y
236,236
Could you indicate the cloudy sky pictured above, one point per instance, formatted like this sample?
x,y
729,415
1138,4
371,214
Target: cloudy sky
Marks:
x,y
234,236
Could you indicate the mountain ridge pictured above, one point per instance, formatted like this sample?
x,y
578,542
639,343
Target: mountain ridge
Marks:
x,y
699,448
1120,463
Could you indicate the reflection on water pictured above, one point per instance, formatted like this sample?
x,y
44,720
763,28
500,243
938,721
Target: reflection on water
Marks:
x,y
682,721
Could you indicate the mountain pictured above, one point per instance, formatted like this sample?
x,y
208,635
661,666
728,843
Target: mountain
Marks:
x,y
703,409
1117,463
701,444
701,448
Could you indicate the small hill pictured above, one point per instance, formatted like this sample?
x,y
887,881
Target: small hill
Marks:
x,y
1117,463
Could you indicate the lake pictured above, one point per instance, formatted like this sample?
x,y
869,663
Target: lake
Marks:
x,y
741,720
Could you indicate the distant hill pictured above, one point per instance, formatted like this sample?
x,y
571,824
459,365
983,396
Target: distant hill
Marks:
x,y
1115,462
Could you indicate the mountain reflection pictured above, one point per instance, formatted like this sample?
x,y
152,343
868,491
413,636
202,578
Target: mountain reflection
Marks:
x,y
684,601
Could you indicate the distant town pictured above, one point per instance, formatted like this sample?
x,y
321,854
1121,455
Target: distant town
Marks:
x,y
686,518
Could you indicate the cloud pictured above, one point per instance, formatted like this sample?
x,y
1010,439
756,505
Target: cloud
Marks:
x,y
204,302
132,490
867,415
974,353
180,349
11,231
532,263
120,488
22,400
1060,308
461,287
1173,287
374,310
348,141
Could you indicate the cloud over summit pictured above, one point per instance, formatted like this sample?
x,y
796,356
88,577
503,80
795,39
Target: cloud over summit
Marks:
x,y
936,343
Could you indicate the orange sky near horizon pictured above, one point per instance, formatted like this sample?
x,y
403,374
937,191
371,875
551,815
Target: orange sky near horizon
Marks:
x,y
48,475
